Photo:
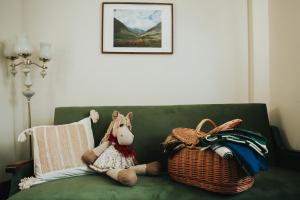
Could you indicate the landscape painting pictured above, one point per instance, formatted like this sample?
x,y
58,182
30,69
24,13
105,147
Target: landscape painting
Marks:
x,y
137,28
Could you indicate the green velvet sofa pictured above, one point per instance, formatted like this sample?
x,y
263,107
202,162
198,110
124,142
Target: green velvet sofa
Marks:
x,y
151,124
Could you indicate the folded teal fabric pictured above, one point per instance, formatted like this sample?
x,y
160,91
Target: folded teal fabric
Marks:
x,y
248,160
253,140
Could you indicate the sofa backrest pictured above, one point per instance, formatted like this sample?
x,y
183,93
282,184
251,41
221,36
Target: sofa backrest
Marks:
x,y
151,124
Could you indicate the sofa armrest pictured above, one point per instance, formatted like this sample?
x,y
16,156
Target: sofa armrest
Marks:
x,y
14,167
284,157
19,170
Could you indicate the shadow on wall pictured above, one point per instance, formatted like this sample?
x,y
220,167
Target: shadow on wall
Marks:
x,y
275,118
9,84
3,63
6,74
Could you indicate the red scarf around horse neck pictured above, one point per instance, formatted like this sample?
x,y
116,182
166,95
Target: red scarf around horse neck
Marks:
x,y
125,150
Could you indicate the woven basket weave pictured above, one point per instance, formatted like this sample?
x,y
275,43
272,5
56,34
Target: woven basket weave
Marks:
x,y
205,169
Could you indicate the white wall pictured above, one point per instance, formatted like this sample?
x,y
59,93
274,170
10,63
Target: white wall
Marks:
x,y
285,68
209,64
258,23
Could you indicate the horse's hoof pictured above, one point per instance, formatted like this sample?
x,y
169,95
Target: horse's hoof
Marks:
x,y
127,177
153,168
89,157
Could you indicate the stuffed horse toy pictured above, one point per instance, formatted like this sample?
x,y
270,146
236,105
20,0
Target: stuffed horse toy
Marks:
x,y
115,157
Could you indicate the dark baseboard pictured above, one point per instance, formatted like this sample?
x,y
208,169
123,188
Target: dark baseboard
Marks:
x,y
4,190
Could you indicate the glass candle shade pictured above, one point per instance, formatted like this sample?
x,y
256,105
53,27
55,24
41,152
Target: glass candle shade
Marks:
x,y
23,46
45,51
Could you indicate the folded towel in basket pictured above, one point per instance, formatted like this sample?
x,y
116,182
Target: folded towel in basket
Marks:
x,y
247,158
222,151
253,140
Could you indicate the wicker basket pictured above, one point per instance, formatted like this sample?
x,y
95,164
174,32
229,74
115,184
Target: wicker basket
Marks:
x,y
206,169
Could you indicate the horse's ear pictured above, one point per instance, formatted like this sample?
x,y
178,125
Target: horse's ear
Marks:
x,y
129,116
115,114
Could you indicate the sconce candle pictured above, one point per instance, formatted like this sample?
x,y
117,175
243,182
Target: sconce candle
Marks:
x,y
23,47
45,51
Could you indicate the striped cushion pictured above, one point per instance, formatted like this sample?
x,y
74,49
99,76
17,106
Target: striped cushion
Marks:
x,y
59,148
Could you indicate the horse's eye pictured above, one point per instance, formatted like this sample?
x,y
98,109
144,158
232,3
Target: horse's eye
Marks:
x,y
121,125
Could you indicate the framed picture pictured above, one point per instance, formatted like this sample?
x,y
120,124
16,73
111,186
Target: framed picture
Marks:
x,y
140,28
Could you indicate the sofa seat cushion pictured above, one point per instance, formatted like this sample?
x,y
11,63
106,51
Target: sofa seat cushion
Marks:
x,y
277,183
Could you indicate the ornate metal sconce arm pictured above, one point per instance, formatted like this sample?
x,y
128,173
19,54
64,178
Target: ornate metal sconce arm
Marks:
x,y
17,64
14,65
43,66
26,62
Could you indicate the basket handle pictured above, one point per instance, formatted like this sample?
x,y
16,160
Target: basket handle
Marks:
x,y
198,128
228,125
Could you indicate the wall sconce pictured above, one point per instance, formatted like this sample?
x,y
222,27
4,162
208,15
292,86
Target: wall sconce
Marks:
x,y
19,55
